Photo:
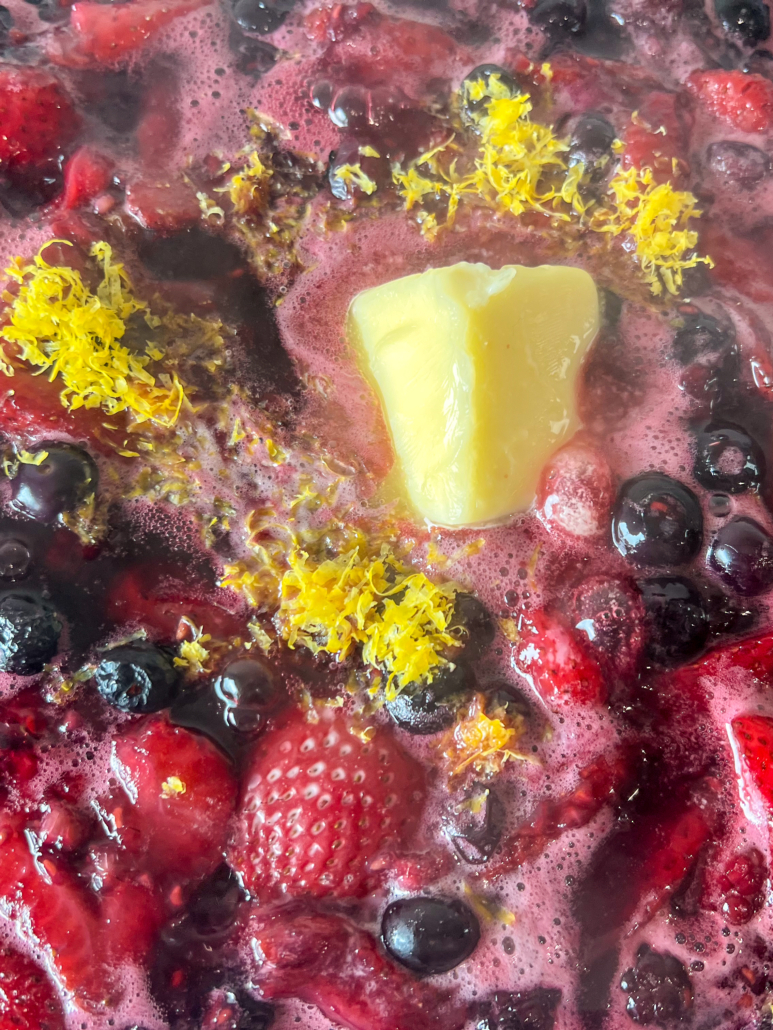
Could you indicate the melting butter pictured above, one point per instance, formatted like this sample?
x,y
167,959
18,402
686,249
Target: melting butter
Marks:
x,y
476,370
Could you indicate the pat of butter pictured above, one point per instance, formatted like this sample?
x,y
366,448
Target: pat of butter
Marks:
x,y
476,372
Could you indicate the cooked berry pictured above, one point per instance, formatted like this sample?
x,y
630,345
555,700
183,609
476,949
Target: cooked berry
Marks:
x,y
482,74
65,478
261,16
430,708
677,621
192,254
608,612
560,17
522,1010
15,559
657,521
592,140
658,988
344,185
6,21
701,336
742,554
249,692
503,699
136,678
51,10
254,57
747,20
472,624
737,163
728,459
742,886
474,825
212,909
29,634
429,935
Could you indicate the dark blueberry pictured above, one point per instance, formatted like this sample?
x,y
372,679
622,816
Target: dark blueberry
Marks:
x,y
254,57
677,620
522,1010
430,708
6,21
429,935
254,1015
472,108
591,141
611,307
560,17
321,94
471,624
474,825
52,10
25,188
658,988
15,559
249,692
212,910
657,521
742,554
136,678
114,97
747,20
728,459
29,634
261,16
65,478
192,254
699,337
506,701
737,163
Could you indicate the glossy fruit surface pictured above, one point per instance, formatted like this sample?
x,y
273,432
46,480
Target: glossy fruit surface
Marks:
x,y
742,555
677,621
136,679
728,459
60,483
657,521
429,935
658,988
29,633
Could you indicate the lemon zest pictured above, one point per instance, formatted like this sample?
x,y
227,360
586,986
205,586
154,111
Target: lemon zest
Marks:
x,y
353,175
172,787
482,742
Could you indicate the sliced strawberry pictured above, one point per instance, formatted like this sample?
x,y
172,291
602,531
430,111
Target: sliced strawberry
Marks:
x,y
575,492
753,653
743,100
37,116
86,175
675,846
656,137
180,795
556,664
27,998
318,805
752,738
163,206
103,34
325,960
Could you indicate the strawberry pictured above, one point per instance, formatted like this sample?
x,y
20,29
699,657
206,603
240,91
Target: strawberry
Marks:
x,y
739,261
752,739
86,175
675,846
753,653
27,998
37,116
103,34
740,887
325,960
164,206
656,137
319,803
556,664
179,797
575,492
743,100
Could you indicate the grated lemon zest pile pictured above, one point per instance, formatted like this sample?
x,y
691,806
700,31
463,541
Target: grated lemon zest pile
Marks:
x,y
399,618
482,742
655,217
60,326
248,188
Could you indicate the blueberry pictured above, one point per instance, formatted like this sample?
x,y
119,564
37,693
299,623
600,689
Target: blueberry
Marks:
x,y
742,555
728,459
136,678
475,825
591,141
25,188
29,634
737,163
261,16
254,57
429,935
522,1010
747,20
658,988
471,108
471,624
560,17
191,254
657,521
506,701
65,478
700,336
422,709
249,692
677,620
6,22
114,97
15,559
51,10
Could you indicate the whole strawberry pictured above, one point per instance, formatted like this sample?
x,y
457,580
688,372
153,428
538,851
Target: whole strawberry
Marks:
x,y
37,119
319,803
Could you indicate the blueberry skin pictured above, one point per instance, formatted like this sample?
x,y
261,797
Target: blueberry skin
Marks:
x,y
678,623
700,336
248,691
737,163
657,521
137,678
429,935
560,17
261,16
742,555
658,988
592,139
29,634
747,20
522,1010
482,73
424,709
65,478
713,442
472,625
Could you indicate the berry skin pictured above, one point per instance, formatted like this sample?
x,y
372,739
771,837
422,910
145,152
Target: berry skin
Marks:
x,y
37,116
752,736
27,999
429,935
591,142
656,137
742,886
747,20
575,492
742,555
677,621
610,613
658,988
65,478
319,804
727,459
181,794
743,101
428,708
136,679
657,521
29,634
701,337
733,163
522,1010
558,666
87,174
102,34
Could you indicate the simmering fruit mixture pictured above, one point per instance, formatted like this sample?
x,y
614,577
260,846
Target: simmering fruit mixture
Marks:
x,y
386,541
